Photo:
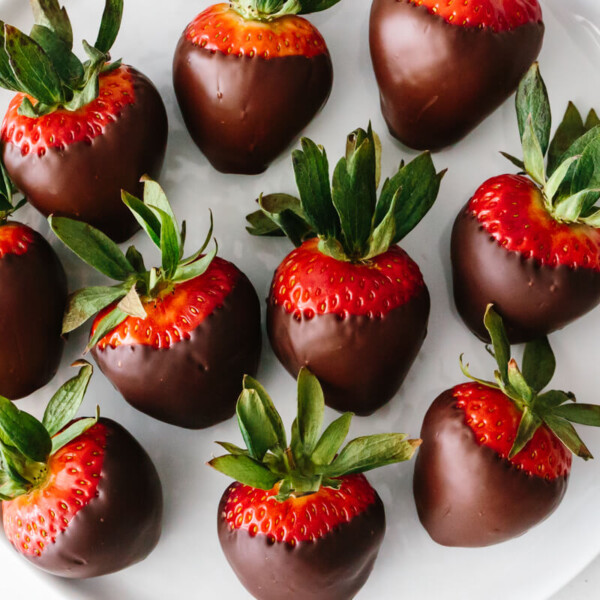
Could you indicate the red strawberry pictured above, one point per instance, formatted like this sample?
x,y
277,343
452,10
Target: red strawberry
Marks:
x,y
531,244
71,144
349,304
33,293
438,91
85,499
176,340
249,81
496,457
298,524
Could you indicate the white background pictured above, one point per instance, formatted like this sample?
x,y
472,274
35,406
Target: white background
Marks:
x,y
188,561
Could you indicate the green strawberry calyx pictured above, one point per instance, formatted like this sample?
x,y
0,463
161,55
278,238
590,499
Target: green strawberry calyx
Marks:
x,y
555,409
269,10
42,64
7,191
27,444
312,459
352,223
136,283
566,168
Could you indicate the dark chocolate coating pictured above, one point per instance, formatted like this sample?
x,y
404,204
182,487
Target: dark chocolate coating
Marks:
x,y
84,180
196,382
242,112
438,81
334,567
119,527
361,362
33,294
466,494
533,299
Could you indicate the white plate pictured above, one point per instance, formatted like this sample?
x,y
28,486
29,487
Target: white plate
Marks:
x,y
188,561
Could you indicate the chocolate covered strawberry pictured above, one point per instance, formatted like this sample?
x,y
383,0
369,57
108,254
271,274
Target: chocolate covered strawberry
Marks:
x,y
348,303
175,340
249,76
443,66
33,294
496,455
81,497
530,243
76,133
302,522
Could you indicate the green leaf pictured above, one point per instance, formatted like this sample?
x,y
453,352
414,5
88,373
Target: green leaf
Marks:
x,y
554,182
256,427
495,327
517,381
233,449
570,129
7,76
331,247
371,452
311,408
419,187
110,25
532,101
144,216
93,247
32,67
91,89
66,401
274,417
383,235
67,65
194,257
311,169
529,424
587,170
246,470
533,157
465,371
577,148
85,303
592,120
331,440
49,14
568,436
24,432
585,414
312,6
593,220
514,160
136,260
539,364
261,225
571,208
72,432
113,319
131,304
553,398
195,269
155,198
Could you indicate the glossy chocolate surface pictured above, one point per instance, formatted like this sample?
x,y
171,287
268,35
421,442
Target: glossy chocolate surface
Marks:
x,y
533,299
33,293
466,494
361,362
334,567
242,112
438,81
84,180
119,527
196,382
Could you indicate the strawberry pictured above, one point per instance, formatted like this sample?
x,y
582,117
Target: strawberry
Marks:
x,y
302,521
75,134
530,243
81,497
33,294
348,303
439,91
249,76
175,340
496,456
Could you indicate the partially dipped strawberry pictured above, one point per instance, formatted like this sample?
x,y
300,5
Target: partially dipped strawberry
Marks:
x,y
302,522
81,497
530,243
76,133
175,340
496,456
443,66
33,294
348,303
249,76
